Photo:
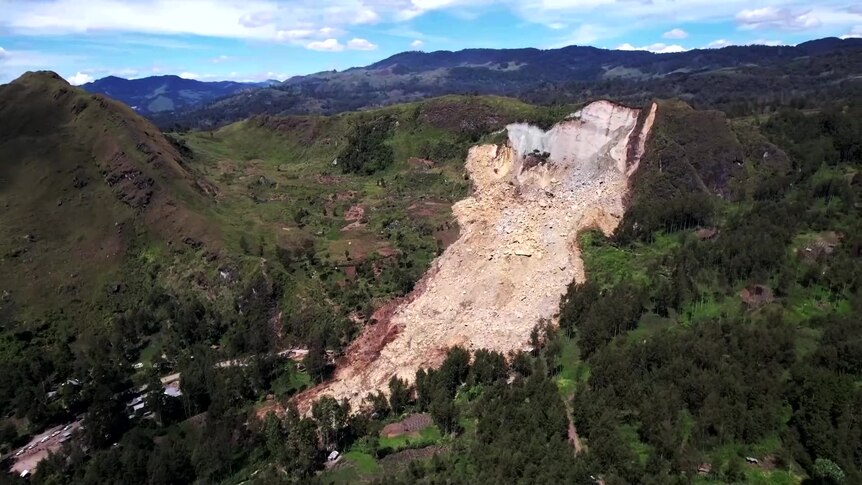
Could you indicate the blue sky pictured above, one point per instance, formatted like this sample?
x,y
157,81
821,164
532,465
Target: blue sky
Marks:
x,y
261,39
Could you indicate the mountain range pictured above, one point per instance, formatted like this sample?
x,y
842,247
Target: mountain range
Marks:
x,y
158,94
708,78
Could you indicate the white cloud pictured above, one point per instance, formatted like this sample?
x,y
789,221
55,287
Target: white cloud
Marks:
x,y
220,59
358,44
80,78
777,18
189,75
328,25
854,33
328,45
657,48
675,34
249,19
2,53
293,34
416,44
585,34
767,42
333,45
718,44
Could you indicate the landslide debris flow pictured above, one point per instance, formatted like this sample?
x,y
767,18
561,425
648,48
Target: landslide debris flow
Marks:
x,y
517,251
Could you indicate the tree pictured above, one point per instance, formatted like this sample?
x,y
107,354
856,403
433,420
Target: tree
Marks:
x,y
302,449
212,457
315,363
366,151
331,417
378,404
445,414
488,367
828,471
105,420
454,370
399,395
424,388
170,464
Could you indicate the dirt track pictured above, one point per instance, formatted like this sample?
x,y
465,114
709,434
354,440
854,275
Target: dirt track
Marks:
x,y
517,251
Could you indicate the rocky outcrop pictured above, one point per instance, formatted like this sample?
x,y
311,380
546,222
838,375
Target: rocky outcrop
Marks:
x,y
517,251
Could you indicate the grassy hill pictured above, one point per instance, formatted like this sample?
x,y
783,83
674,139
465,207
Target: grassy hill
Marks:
x,y
82,180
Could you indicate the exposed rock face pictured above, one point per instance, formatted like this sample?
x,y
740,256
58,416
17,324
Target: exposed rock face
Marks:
x,y
517,251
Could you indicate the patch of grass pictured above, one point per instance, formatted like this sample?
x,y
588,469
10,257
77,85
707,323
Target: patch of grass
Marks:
x,y
290,381
364,463
427,436
574,371
771,477
765,446
356,465
150,353
609,264
630,435
649,324
805,303
709,308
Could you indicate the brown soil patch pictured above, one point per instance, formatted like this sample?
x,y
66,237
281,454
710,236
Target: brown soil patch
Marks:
x,y
420,163
349,272
355,213
353,226
304,129
755,296
706,233
411,425
349,195
329,179
387,251
447,236
427,208
460,114
821,246
402,458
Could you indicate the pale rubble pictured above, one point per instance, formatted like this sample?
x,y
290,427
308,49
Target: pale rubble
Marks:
x,y
517,251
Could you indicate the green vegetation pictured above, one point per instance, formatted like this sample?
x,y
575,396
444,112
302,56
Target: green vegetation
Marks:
x,y
716,339
366,151
689,364
427,437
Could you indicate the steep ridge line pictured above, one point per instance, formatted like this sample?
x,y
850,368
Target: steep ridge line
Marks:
x,y
517,251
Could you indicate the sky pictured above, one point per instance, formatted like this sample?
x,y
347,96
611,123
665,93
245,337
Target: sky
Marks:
x,y
254,40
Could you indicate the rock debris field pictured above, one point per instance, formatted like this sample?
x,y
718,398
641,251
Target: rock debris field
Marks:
x,y
517,251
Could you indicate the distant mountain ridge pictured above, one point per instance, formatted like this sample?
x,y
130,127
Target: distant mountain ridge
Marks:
x,y
158,94
708,78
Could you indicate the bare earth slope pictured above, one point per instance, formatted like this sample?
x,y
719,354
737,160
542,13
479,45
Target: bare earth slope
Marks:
x,y
517,251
